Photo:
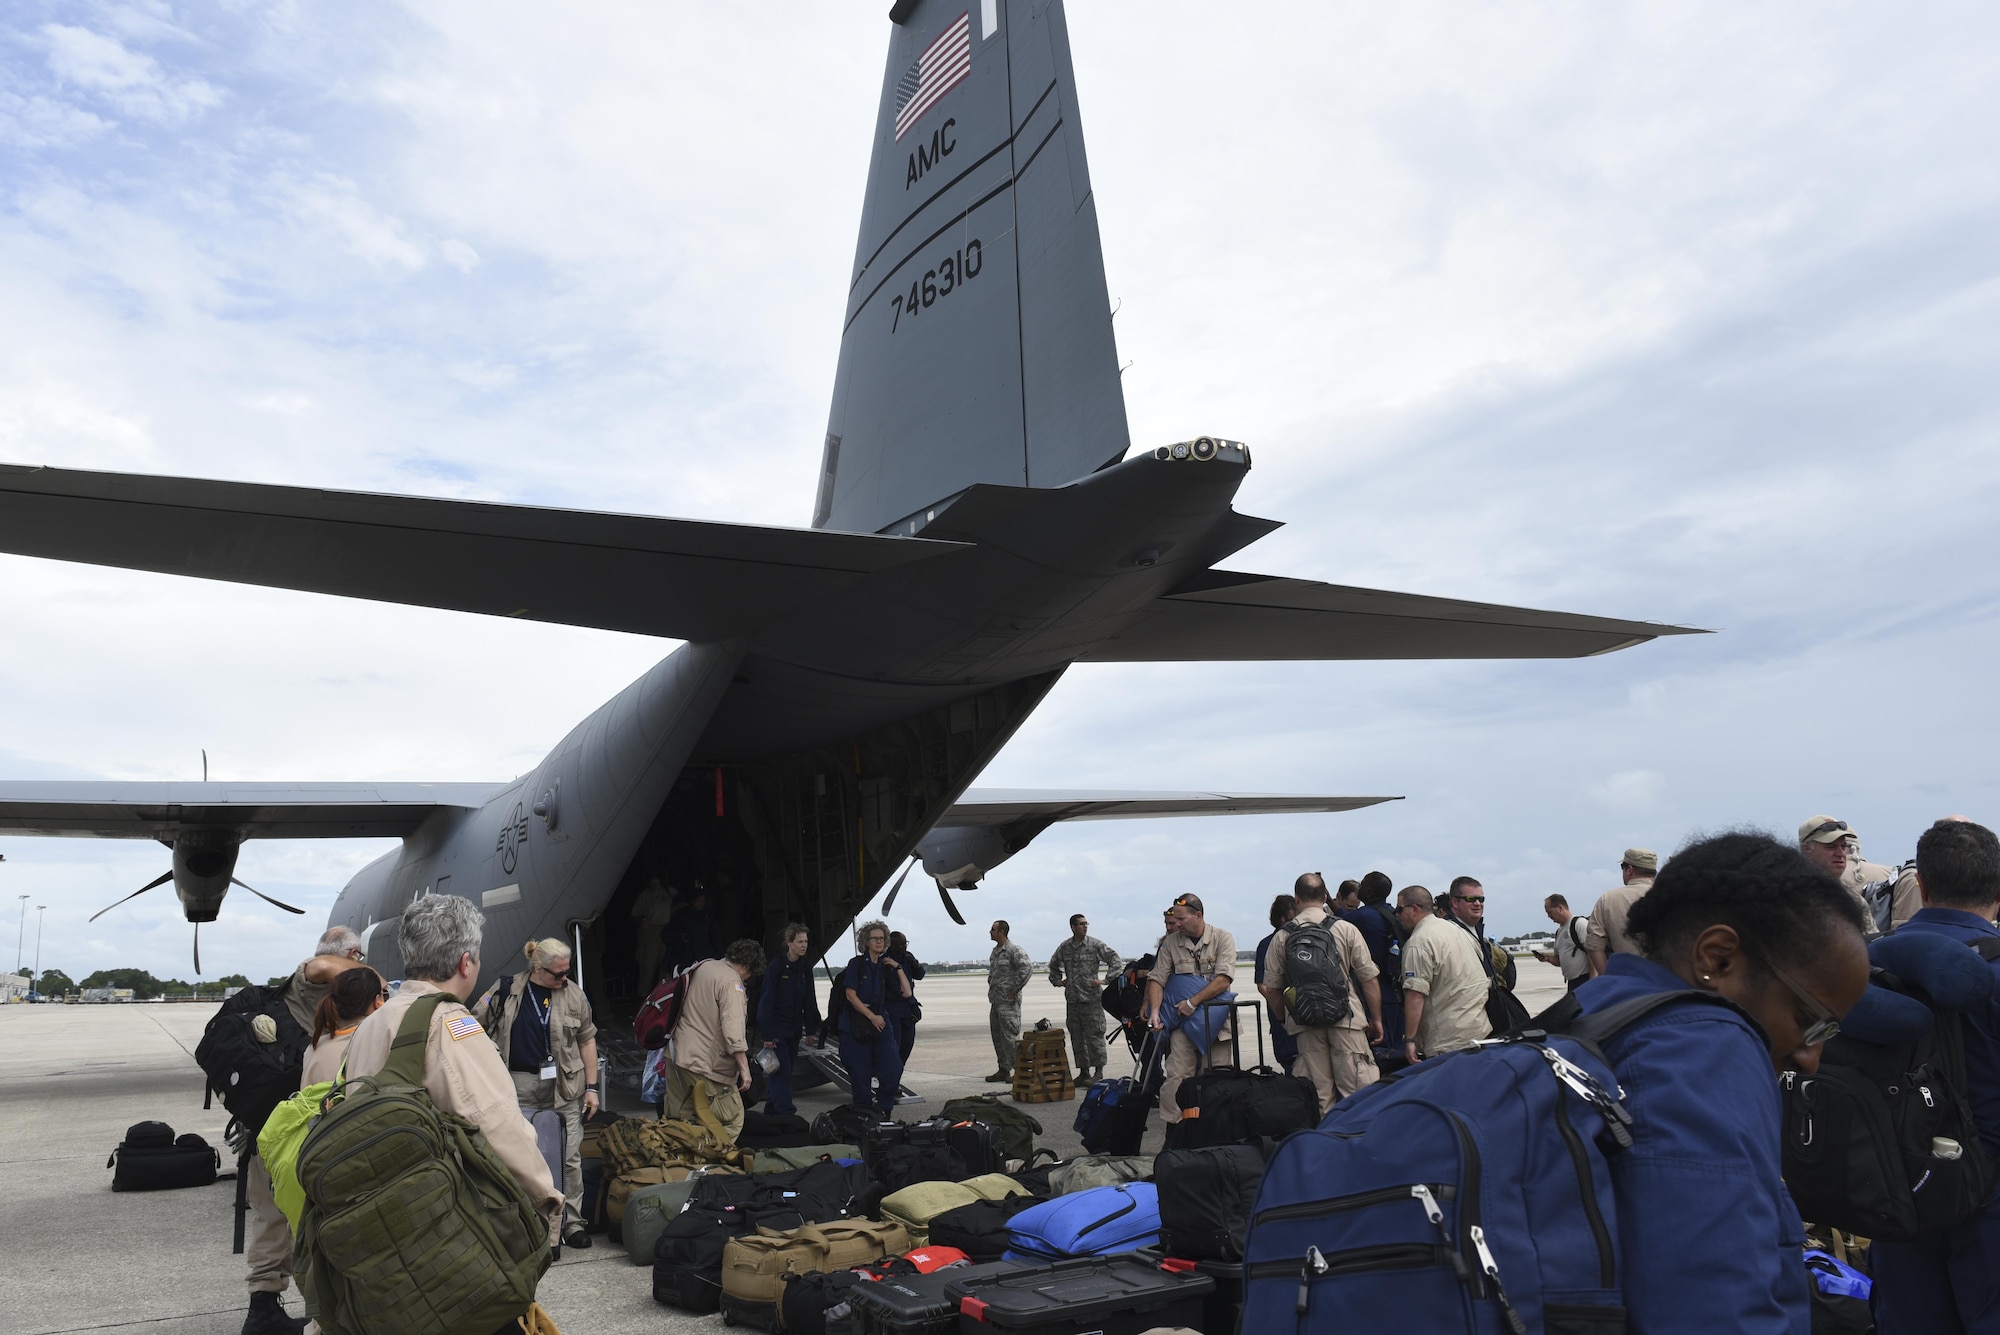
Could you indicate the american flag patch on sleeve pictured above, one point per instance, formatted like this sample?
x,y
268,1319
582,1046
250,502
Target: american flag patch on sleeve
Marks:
x,y
461,1026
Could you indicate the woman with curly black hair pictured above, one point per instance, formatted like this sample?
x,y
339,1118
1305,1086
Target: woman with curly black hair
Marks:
x,y
1709,1237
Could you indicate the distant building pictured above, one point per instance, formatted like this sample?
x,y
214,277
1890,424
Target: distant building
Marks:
x,y
107,994
13,987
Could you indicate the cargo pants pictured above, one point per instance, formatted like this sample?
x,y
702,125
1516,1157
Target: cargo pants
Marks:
x,y
267,1246
1184,1059
1005,1023
1337,1060
715,1104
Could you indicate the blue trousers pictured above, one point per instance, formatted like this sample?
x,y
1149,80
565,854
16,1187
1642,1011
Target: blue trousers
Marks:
x,y
778,1085
906,1038
1945,1286
869,1060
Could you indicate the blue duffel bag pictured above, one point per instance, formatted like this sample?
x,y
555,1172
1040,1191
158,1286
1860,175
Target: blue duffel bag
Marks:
x,y
1096,1222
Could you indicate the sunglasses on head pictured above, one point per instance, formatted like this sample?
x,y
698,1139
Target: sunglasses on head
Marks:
x,y
1827,827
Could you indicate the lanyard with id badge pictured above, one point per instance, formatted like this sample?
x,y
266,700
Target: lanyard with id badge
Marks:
x,y
548,1043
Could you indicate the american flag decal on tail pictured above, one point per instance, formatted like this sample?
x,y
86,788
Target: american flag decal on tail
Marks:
x,y
934,73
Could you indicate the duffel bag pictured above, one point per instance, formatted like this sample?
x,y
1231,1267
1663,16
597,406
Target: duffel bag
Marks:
x,y
649,1208
687,1257
917,1204
811,1299
1098,1170
150,1158
852,1124
619,1192
1087,1223
1018,1129
1227,1106
754,1266
994,1186
1206,1197
763,1131
980,1229
778,1158
900,1166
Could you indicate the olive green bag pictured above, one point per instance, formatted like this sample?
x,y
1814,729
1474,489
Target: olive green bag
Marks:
x,y
412,1225
1017,1129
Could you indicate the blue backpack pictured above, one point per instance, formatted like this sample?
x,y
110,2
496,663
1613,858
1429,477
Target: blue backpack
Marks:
x,y
1095,1222
1473,1194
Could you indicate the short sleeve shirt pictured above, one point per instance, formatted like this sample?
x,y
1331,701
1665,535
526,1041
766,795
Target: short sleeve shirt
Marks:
x,y
1607,920
1213,955
1441,961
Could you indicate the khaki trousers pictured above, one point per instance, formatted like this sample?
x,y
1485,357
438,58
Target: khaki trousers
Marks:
x,y
535,1094
1337,1060
696,1098
1183,1060
1005,1024
267,1245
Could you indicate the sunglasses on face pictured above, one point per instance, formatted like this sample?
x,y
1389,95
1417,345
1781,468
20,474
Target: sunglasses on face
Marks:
x,y
1824,1023
1472,899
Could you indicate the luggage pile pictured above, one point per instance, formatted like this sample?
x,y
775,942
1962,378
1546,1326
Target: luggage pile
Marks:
x,y
637,1153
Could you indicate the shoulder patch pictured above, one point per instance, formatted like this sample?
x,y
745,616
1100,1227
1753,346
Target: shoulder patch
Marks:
x,y
462,1026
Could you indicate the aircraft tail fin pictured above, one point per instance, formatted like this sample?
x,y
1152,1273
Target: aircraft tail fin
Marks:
x,y
977,343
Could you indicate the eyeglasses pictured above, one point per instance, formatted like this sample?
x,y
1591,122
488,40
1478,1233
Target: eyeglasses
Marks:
x,y
1825,1024
1826,826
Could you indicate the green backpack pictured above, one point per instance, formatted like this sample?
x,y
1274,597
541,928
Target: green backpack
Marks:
x,y
279,1142
1017,1129
411,1225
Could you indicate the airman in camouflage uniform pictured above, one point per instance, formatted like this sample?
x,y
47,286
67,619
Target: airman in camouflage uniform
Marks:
x,y
1074,968
1007,973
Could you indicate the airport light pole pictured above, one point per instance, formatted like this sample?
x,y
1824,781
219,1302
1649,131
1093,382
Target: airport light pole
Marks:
x,y
21,937
40,909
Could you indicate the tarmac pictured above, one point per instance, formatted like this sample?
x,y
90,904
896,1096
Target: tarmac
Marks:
x,y
81,1258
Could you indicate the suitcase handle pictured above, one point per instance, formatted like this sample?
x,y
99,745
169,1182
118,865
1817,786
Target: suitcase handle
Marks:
x,y
1207,1059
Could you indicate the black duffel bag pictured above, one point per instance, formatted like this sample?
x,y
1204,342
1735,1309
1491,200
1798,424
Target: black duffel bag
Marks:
x,y
1206,1197
901,1166
151,1159
979,1229
812,1296
1228,1106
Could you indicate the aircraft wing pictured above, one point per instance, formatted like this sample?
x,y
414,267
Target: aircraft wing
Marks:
x,y
678,578
113,810
1227,616
1005,806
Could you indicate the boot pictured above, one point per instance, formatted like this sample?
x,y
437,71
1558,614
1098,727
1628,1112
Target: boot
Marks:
x,y
1000,1078
267,1316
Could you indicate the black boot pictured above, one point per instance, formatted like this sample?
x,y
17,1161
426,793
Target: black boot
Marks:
x,y
268,1317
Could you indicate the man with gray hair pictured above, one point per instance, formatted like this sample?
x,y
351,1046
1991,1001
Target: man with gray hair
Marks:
x,y
267,1248
548,1040
463,1073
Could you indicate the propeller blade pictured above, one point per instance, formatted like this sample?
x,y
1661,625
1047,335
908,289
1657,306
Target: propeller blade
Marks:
x,y
897,889
950,907
150,885
266,898
197,950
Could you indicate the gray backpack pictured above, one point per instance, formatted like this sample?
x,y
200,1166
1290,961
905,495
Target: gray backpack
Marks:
x,y
1316,992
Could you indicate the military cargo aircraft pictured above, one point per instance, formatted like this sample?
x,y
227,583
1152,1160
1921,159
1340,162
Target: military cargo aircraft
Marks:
x,y
981,523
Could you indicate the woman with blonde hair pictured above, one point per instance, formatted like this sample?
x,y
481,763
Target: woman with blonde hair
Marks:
x,y
543,1028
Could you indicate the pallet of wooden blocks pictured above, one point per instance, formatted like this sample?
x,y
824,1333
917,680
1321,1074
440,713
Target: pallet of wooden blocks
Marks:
x,y
1041,1068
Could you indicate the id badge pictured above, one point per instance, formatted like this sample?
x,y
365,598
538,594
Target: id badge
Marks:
x,y
548,1070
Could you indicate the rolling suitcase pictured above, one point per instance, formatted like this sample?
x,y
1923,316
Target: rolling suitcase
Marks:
x,y
1228,1105
548,1125
1114,1295
1113,1117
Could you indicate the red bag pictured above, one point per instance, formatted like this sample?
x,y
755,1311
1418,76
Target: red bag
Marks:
x,y
656,1019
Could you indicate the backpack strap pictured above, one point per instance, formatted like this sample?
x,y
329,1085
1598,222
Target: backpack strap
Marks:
x,y
406,1055
1599,1027
1988,947
1575,941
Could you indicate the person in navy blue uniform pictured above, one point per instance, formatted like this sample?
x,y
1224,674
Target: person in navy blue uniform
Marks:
x,y
787,1012
904,1012
1284,1046
1379,927
1709,1238
1951,1284
871,980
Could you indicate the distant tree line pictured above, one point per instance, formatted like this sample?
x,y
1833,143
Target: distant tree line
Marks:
x,y
56,983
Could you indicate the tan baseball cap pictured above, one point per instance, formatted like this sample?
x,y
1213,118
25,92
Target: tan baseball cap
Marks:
x,y
1643,859
1824,830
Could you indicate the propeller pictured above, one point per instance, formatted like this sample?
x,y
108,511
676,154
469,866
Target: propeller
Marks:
x,y
150,885
897,889
279,903
197,950
950,907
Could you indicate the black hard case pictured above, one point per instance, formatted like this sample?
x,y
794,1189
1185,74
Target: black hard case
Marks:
x,y
918,1304
1126,1294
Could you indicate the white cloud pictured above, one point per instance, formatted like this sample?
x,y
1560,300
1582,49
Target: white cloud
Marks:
x,y
1632,791
129,80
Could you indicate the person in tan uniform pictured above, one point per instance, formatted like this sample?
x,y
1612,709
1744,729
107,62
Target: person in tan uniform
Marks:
x,y
545,1034
1606,934
1444,980
708,1058
1207,952
463,1073
267,1248
1337,1058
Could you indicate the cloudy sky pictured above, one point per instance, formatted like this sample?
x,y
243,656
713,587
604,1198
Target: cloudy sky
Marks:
x,y
1681,312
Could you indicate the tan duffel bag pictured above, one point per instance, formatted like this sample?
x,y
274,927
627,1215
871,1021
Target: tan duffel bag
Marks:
x,y
754,1267
917,1204
994,1186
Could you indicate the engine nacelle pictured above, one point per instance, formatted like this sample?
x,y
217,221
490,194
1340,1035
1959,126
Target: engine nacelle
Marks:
x,y
958,856
204,865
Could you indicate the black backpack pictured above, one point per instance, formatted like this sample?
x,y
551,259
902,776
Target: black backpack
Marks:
x,y
853,1124
252,1075
1862,1133
1316,992
150,1158
1206,1198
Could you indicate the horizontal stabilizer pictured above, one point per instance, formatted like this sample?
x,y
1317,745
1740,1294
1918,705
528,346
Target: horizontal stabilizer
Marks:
x,y
677,578
113,810
1005,806
1225,616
